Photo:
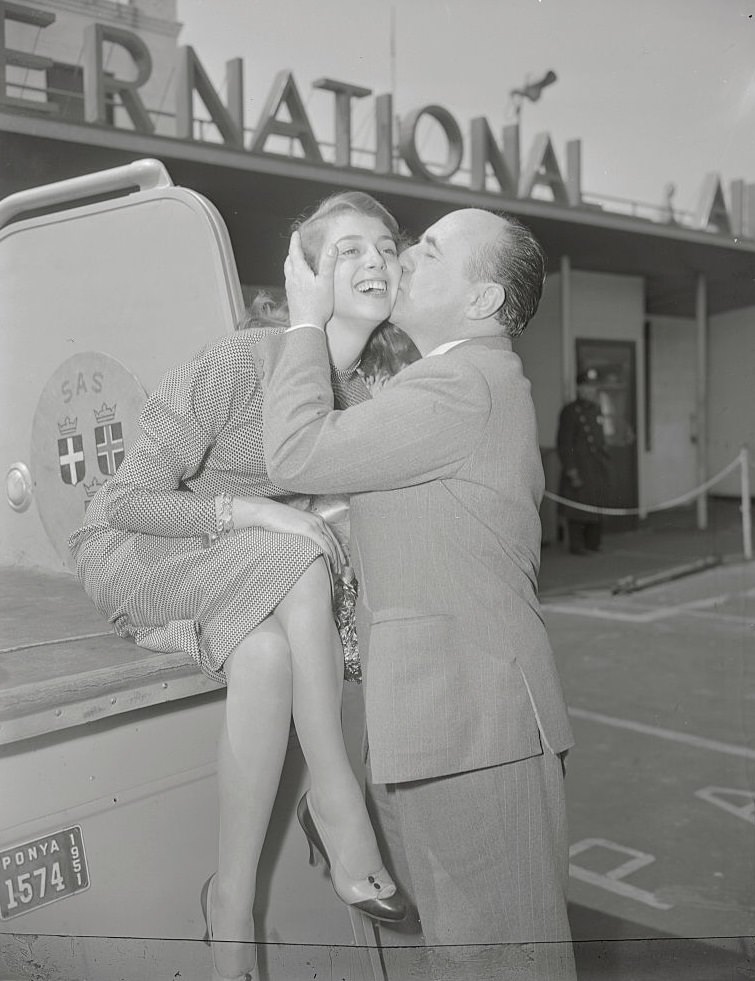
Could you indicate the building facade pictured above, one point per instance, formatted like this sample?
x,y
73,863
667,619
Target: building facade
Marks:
x,y
661,306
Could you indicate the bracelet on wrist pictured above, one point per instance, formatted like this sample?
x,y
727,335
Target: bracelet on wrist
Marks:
x,y
223,520
224,513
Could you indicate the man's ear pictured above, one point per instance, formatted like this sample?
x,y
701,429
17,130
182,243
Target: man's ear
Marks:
x,y
487,301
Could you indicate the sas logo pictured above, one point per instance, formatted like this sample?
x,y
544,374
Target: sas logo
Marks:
x,y
109,445
108,440
70,452
87,415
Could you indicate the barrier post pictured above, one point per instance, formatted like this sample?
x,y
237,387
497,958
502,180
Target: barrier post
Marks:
x,y
701,397
567,333
744,457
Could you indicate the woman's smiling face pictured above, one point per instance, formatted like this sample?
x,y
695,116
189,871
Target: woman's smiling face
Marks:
x,y
367,270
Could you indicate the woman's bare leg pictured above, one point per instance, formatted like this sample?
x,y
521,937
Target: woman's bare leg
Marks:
x,y
292,662
317,665
251,752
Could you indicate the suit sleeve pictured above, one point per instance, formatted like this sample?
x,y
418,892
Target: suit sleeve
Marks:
x,y
422,426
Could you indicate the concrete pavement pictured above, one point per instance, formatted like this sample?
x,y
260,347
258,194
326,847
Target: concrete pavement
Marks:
x,y
661,784
662,540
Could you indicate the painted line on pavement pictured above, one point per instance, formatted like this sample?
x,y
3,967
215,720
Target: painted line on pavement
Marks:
x,y
645,616
612,880
748,621
731,749
721,797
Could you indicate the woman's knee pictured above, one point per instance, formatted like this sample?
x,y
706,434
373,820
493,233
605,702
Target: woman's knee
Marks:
x,y
263,656
313,587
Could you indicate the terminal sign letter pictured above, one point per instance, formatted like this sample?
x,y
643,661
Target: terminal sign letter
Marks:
x,y
22,59
285,93
98,85
191,77
344,93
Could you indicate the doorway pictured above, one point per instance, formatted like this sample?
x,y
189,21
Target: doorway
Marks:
x,y
612,364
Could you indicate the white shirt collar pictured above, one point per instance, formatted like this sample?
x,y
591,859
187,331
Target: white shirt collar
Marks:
x,y
442,348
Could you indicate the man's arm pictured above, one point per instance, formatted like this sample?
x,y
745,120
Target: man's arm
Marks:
x,y
421,427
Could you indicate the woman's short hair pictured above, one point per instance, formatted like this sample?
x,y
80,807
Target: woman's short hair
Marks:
x,y
312,226
517,262
388,349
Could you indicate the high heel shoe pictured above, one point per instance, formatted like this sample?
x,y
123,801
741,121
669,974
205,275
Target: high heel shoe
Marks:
x,y
376,895
206,900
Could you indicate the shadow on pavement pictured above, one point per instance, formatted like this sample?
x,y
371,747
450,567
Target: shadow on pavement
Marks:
x,y
627,951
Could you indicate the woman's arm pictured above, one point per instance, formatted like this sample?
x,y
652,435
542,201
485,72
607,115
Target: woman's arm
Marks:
x,y
180,424
263,512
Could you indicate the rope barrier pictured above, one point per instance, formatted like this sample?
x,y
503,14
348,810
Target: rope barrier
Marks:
x,y
742,461
663,506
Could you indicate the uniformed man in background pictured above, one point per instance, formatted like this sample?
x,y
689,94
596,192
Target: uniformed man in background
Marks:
x,y
583,455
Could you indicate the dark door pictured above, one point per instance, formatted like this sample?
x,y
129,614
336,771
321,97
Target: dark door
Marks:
x,y
613,365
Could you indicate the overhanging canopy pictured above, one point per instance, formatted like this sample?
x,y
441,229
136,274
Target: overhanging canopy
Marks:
x,y
259,195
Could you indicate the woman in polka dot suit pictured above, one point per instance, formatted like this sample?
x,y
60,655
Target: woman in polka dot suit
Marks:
x,y
191,547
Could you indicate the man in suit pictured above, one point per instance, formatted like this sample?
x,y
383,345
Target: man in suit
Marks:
x,y
466,721
583,455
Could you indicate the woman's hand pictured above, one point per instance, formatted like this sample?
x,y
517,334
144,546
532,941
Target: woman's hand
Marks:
x,y
309,294
262,512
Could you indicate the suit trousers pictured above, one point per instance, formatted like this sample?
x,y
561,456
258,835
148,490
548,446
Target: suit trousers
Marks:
x,y
585,535
484,856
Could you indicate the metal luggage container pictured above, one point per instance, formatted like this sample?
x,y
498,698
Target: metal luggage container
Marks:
x,y
108,816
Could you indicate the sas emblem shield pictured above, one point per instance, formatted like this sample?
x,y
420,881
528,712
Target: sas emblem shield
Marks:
x,y
110,448
71,459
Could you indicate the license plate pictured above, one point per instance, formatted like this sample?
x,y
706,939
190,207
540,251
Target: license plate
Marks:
x,y
42,871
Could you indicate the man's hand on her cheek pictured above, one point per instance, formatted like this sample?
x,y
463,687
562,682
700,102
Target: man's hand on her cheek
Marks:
x,y
310,295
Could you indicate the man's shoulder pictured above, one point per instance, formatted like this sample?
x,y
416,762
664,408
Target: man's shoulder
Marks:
x,y
567,418
471,365
447,368
496,363
491,353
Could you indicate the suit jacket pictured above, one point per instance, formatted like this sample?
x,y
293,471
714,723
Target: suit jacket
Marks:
x,y
444,471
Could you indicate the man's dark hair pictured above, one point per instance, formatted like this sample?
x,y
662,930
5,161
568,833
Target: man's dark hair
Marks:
x,y
517,262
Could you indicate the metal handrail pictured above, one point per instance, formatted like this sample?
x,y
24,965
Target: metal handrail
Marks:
x,y
146,175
